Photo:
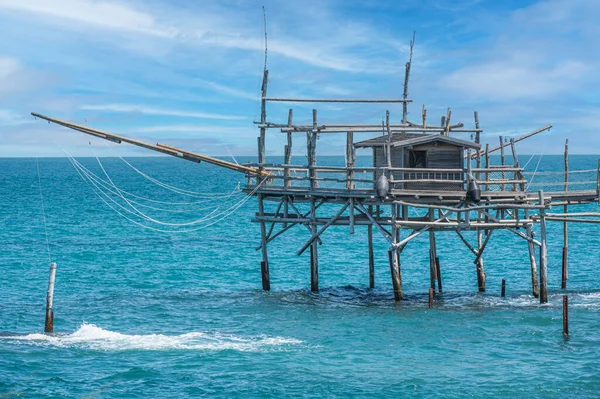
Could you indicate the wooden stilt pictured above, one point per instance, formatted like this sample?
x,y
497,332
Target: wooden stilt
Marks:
x,y
503,289
565,315
534,280
314,254
543,254
431,295
371,255
394,255
432,254
565,251
439,274
49,325
264,265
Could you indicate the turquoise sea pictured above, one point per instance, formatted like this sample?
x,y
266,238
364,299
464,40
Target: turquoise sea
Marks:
x,y
141,313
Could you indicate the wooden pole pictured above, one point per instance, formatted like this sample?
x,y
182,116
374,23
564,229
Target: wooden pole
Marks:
x,y
314,183
431,295
314,254
49,325
394,255
288,153
487,165
350,160
264,265
543,253
502,160
503,289
371,255
565,251
439,274
424,119
530,246
432,253
566,315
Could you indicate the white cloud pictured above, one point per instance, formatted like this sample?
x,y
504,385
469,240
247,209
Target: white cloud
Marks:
x,y
106,14
148,110
506,80
8,66
336,48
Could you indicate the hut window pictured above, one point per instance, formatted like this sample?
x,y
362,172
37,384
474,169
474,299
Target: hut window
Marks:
x,y
417,159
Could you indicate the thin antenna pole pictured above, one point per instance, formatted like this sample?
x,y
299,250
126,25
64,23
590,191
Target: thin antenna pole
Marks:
x,y
265,29
406,77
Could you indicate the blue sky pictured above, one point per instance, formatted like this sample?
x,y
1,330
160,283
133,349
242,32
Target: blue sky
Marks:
x,y
188,73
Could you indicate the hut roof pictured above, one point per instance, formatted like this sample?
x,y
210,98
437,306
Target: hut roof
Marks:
x,y
409,139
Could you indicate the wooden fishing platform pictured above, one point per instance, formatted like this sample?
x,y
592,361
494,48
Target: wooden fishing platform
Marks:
x,y
416,166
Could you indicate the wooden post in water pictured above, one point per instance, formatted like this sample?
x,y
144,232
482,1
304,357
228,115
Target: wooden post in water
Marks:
x,y
439,274
371,255
49,325
565,315
503,289
394,255
565,251
543,253
314,253
264,265
531,247
432,254
431,295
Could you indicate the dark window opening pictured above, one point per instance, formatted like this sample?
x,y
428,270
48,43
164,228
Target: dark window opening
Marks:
x,y
417,159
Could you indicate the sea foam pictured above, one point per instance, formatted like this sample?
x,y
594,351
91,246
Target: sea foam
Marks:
x,y
90,336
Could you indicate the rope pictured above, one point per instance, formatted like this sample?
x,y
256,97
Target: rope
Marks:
x,y
107,186
144,216
167,186
37,162
233,209
225,213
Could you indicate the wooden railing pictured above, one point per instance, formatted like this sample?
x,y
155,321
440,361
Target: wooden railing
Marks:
x,y
489,179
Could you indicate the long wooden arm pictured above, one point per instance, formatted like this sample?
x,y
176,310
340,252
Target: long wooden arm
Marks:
x,y
163,148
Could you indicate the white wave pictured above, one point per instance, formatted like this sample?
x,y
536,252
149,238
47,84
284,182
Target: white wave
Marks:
x,y
90,336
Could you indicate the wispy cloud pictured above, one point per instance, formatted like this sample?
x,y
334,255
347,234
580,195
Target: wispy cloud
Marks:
x,y
148,110
111,15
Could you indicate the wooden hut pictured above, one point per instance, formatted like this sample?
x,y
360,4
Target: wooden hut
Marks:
x,y
433,159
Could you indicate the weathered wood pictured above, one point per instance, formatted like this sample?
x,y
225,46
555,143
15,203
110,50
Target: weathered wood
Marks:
x,y
49,324
339,100
350,160
502,161
517,174
288,152
371,254
424,113
324,227
431,295
439,274
531,248
162,148
432,253
503,289
543,253
395,259
264,265
447,131
487,165
565,251
314,254
566,315
525,136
